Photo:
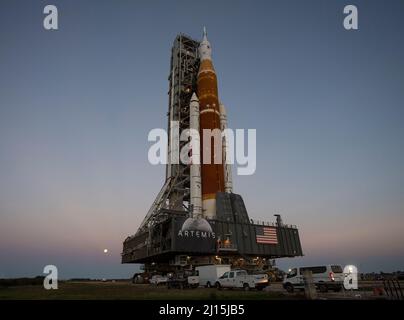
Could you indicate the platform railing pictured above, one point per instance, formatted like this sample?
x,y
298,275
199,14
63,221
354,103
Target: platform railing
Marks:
x,y
272,224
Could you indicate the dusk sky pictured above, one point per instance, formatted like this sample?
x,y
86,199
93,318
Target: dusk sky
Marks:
x,y
77,104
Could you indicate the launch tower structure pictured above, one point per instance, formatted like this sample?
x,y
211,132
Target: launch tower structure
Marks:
x,y
175,193
188,224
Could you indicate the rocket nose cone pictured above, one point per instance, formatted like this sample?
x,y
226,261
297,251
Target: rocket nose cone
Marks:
x,y
205,50
194,97
205,34
222,108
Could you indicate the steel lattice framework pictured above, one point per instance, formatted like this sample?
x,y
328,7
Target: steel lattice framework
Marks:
x,y
175,193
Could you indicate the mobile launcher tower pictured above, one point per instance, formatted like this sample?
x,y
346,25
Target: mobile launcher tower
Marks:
x,y
196,219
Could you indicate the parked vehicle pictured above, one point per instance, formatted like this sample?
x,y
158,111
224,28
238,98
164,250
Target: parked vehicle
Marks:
x,y
240,279
141,278
158,280
183,282
326,277
208,274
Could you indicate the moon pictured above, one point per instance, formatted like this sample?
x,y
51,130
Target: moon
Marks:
x,y
105,250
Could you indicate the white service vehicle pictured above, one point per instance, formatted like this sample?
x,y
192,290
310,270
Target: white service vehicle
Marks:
x,y
240,279
158,279
209,274
193,281
324,278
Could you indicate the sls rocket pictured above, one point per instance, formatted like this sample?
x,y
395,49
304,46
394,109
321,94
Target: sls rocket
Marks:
x,y
208,178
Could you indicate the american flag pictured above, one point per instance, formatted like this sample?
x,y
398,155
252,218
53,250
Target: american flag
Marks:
x,y
266,235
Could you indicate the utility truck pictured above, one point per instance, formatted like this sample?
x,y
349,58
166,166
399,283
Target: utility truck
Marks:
x,y
209,274
241,279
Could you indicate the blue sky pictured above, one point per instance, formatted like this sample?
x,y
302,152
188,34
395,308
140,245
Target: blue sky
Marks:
x,y
76,106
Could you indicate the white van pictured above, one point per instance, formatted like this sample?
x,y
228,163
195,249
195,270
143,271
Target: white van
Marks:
x,y
327,277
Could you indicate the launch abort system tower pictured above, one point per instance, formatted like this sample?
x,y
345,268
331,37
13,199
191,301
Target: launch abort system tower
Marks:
x,y
196,218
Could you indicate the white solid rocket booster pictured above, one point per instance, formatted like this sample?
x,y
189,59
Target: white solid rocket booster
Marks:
x,y
195,167
228,180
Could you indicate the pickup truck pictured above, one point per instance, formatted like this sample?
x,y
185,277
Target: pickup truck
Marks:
x,y
158,280
240,279
183,282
